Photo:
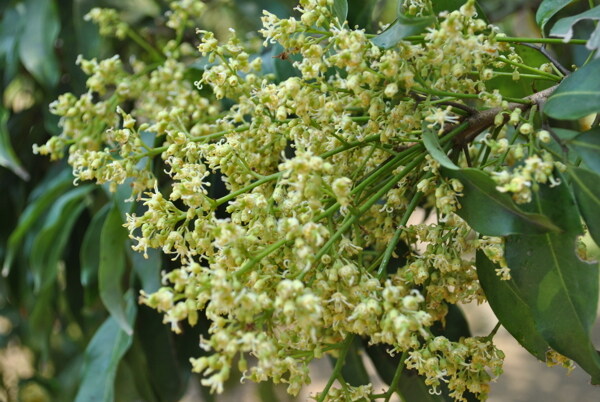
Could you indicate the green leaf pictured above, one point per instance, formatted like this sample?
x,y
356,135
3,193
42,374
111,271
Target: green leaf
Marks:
x,y
8,157
431,142
46,193
587,146
402,27
548,9
49,243
11,28
491,212
42,317
523,86
272,63
89,255
112,266
560,289
485,209
36,46
509,307
455,325
360,12
587,192
340,10
137,363
578,95
102,357
564,27
354,371
147,269
163,368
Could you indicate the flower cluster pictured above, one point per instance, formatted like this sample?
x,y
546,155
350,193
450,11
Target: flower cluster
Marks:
x,y
280,197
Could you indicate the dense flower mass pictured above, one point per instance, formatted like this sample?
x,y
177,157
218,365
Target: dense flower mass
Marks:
x,y
285,199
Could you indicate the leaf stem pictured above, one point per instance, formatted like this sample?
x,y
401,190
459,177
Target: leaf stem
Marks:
x,y
528,68
557,41
394,384
339,364
158,56
382,271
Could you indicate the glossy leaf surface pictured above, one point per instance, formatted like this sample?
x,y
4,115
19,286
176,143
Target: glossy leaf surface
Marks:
x,y
102,357
340,10
578,95
587,146
402,27
485,209
36,46
586,185
560,289
49,243
90,249
564,27
547,9
8,157
112,267
508,305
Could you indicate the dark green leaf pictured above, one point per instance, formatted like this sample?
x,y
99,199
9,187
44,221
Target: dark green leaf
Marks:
x,y
360,12
86,32
112,266
102,357
147,269
548,9
402,27
431,142
564,27
164,370
509,307
485,209
491,212
340,10
586,185
50,241
90,249
130,385
8,157
587,145
11,28
455,325
523,86
47,194
560,289
42,317
354,371
137,364
36,47
578,95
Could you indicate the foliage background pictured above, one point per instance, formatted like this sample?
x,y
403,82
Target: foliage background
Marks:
x,y
50,310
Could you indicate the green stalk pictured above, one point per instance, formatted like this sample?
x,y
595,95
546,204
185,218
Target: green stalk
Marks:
x,y
534,70
339,364
465,96
382,271
557,41
158,56
394,385
263,253
249,187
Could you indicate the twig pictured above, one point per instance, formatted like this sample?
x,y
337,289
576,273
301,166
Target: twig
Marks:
x,y
478,122
547,54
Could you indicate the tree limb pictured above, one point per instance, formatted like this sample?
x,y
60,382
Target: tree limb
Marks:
x,y
484,119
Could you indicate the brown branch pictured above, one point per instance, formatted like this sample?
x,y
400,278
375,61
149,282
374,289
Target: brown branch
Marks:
x,y
484,119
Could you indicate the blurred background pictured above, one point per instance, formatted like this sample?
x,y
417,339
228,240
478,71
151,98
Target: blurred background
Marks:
x,y
44,224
